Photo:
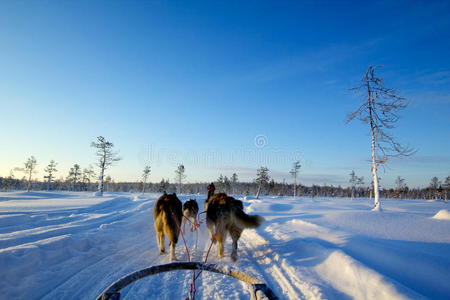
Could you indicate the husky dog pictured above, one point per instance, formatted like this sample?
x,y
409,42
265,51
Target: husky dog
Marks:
x,y
190,211
224,215
167,214
211,188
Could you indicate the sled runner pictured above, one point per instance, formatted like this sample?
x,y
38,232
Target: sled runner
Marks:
x,y
259,290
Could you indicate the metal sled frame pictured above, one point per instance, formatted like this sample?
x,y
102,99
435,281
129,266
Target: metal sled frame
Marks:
x,y
259,290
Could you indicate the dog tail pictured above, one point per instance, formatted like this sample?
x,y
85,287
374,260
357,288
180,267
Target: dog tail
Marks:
x,y
247,221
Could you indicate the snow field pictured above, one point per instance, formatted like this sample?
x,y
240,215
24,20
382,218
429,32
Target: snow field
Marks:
x,y
73,245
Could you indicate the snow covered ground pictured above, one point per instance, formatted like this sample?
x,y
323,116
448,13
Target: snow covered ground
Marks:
x,y
73,245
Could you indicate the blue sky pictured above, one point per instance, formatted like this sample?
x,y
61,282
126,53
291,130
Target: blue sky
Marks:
x,y
195,82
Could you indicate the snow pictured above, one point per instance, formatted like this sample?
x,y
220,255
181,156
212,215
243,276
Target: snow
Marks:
x,y
443,214
57,245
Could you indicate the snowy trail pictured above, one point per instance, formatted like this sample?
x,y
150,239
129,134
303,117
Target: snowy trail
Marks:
x,y
74,245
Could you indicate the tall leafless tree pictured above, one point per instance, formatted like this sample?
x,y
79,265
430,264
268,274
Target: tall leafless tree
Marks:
x,y
380,111
106,158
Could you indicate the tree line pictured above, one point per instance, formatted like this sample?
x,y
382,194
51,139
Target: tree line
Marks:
x,y
86,180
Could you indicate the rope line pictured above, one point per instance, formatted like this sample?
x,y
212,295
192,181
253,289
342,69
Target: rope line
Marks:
x,y
196,224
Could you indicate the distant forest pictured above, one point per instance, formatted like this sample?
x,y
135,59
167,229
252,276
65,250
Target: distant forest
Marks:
x,y
436,190
87,179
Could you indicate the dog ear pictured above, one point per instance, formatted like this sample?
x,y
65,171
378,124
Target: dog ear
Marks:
x,y
175,194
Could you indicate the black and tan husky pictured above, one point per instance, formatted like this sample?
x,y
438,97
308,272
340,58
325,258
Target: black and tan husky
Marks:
x,y
224,215
190,211
167,214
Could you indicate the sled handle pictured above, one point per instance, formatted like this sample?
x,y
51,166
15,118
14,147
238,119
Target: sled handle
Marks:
x,y
259,289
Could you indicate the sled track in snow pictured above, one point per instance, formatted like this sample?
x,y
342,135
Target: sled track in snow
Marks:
x,y
274,270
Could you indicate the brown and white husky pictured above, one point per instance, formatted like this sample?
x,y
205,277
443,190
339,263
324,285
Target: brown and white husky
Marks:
x,y
167,214
190,211
225,215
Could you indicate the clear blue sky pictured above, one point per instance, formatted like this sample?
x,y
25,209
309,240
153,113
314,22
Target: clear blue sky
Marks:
x,y
195,82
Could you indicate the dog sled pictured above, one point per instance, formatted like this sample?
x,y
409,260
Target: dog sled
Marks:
x,y
258,289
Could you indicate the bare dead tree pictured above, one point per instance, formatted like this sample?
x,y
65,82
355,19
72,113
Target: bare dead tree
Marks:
x,y
380,111
294,172
106,158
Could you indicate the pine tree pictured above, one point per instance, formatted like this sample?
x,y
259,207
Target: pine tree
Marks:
x,y
270,186
234,181
30,166
163,185
446,187
50,169
400,186
353,181
108,180
106,158
434,186
262,178
180,176
8,181
226,184
86,177
220,181
145,175
74,176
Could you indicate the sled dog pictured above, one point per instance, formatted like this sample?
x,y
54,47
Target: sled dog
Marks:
x,y
211,188
226,215
167,214
190,211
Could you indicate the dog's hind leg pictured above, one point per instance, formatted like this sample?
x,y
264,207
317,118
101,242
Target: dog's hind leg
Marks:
x,y
161,246
235,233
172,251
211,230
220,240
193,222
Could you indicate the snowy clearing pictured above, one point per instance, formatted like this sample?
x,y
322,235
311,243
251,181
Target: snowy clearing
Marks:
x,y
73,245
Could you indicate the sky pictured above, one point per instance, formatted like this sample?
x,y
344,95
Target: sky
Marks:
x,y
221,86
